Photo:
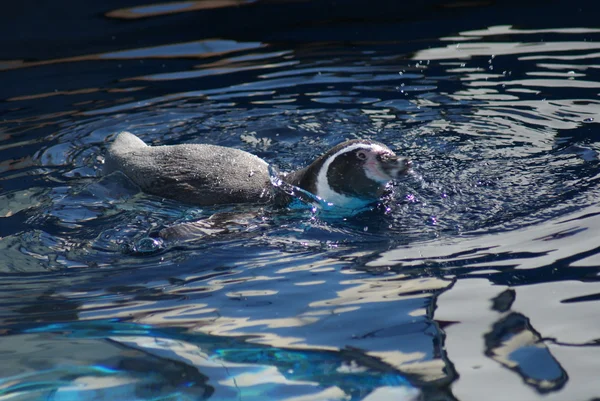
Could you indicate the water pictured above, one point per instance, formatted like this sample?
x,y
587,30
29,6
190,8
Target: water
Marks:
x,y
479,273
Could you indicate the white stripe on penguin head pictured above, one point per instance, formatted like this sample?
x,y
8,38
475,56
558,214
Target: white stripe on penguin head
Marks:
x,y
324,190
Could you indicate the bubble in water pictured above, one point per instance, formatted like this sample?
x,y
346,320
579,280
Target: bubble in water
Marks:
x,y
148,245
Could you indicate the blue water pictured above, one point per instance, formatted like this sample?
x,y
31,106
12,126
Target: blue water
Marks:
x,y
476,280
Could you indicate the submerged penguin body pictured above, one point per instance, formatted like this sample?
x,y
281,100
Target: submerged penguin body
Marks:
x,y
350,175
197,174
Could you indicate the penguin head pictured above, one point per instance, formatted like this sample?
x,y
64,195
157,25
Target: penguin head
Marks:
x,y
357,172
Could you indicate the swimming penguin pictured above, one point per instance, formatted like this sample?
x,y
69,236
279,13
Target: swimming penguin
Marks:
x,y
350,175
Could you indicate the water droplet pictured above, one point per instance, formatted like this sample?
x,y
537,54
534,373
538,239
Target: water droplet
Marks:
x,y
366,228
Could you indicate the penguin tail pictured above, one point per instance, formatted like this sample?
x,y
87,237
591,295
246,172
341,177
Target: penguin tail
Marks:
x,y
124,143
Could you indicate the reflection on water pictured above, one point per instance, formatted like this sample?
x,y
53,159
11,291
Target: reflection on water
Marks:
x,y
155,10
482,267
187,366
197,49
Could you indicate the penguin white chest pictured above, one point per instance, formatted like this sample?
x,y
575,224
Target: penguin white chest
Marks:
x,y
327,194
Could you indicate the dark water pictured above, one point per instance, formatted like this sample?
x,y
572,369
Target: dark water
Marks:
x,y
477,280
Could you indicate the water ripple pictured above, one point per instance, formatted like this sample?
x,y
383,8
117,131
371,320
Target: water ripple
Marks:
x,y
490,244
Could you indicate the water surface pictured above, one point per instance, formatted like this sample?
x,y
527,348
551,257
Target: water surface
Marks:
x,y
480,272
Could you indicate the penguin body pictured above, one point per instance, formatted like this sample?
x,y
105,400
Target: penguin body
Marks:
x,y
350,175
197,174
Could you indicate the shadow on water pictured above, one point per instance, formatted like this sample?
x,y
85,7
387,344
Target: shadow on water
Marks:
x,y
480,268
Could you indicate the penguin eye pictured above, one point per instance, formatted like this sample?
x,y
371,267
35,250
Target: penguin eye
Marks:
x,y
361,154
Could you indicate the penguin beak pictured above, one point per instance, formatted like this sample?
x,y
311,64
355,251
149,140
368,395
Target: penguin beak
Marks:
x,y
395,166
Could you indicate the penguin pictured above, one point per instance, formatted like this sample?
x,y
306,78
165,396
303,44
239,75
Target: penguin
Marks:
x,y
351,175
